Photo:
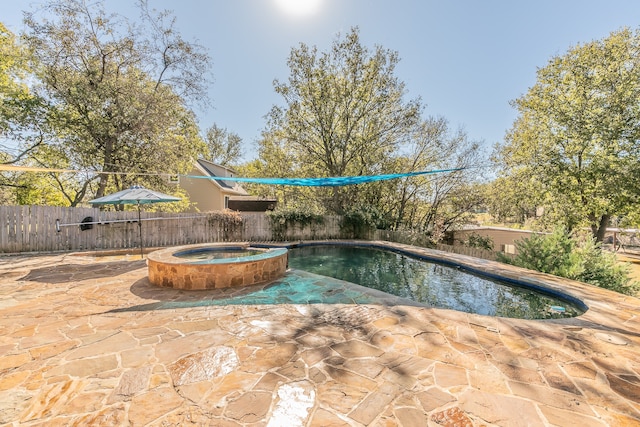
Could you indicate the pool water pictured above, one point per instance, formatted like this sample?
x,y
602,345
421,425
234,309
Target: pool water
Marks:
x,y
210,254
428,283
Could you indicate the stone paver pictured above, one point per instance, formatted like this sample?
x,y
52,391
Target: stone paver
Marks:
x,y
94,343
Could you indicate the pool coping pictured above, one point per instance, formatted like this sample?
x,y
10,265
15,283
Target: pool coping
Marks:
x,y
169,255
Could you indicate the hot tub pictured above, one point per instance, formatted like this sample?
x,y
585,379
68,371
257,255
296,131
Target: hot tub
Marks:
x,y
214,266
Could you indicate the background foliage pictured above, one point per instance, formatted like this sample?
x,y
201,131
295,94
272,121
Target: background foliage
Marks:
x,y
574,147
579,258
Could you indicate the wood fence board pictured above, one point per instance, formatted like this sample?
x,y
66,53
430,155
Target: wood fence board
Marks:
x,y
8,221
11,229
4,226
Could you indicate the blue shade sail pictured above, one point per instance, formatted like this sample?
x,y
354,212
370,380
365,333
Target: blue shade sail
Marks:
x,y
328,181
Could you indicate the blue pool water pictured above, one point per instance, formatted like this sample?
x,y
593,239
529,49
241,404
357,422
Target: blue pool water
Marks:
x,y
209,254
428,283
226,254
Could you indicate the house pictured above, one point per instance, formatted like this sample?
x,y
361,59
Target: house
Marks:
x,y
213,192
503,238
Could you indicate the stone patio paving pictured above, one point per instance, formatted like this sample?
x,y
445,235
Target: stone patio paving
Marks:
x,y
77,347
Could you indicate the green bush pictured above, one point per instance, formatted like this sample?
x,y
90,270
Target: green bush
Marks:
x,y
228,222
563,255
360,222
285,219
477,241
602,269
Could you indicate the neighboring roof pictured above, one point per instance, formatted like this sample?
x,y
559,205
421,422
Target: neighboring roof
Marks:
x,y
252,198
623,230
515,230
251,204
215,170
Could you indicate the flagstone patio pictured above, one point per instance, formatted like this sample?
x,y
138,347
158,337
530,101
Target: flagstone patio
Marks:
x,y
82,343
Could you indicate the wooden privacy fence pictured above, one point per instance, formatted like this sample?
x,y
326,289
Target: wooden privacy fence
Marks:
x,y
33,229
414,238
465,250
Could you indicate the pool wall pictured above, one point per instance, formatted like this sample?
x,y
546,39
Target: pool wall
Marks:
x,y
167,270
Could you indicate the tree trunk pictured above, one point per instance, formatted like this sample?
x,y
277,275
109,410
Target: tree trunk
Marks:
x,y
107,166
600,229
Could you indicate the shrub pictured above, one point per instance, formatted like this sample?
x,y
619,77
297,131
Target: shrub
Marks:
x,y
227,218
563,255
228,223
477,241
602,269
360,222
285,219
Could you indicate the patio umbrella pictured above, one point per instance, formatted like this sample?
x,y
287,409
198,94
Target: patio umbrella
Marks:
x,y
137,195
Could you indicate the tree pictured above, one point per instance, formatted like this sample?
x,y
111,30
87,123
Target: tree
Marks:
x,y
578,129
120,92
442,201
223,147
22,115
455,199
276,159
512,198
344,114
16,100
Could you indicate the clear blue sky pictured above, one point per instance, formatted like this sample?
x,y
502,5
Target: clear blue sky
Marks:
x,y
465,59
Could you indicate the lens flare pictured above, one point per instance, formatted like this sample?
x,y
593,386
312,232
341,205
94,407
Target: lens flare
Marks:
x,y
299,8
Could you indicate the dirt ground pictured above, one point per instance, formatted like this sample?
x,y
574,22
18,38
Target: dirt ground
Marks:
x,y
634,262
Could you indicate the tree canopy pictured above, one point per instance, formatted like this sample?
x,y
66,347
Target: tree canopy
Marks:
x,y
23,123
577,132
118,95
345,114
223,147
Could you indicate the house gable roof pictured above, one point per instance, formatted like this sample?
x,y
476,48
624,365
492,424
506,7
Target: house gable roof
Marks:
x,y
218,171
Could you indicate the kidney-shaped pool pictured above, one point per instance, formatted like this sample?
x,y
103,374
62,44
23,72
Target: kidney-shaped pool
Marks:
x,y
430,283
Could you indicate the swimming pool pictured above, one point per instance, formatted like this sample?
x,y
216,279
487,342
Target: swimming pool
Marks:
x,y
429,283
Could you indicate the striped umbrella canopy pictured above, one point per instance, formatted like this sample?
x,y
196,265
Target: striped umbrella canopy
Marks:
x,y
135,195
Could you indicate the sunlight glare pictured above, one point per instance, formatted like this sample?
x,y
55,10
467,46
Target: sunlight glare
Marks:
x,y
298,8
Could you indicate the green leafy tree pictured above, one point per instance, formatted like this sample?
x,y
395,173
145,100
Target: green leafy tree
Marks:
x,y
275,159
448,200
344,114
223,147
422,152
23,121
120,92
513,199
17,102
577,132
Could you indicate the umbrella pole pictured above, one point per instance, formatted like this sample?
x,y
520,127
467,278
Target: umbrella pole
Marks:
x,y
140,232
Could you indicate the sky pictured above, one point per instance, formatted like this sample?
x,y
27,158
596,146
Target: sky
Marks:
x,y
465,59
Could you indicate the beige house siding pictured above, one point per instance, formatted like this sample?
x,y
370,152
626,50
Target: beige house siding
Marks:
x,y
207,194
503,238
